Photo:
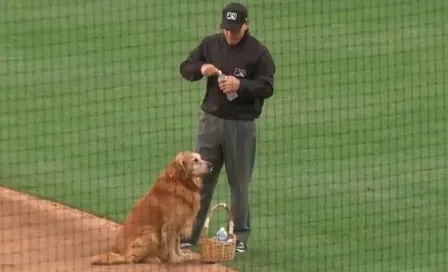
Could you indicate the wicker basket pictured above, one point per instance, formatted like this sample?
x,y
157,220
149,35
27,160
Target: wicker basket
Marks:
x,y
213,251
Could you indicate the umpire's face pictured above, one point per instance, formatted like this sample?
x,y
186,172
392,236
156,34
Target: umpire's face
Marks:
x,y
233,36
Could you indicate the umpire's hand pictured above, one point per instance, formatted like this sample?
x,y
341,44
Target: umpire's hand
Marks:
x,y
209,70
230,84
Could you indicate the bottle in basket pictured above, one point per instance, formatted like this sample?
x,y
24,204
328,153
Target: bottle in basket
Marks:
x,y
221,235
221,247
230,96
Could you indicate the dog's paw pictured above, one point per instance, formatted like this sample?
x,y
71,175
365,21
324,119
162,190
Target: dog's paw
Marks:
x,y
174,259
152,260
187,256
179,252
98,259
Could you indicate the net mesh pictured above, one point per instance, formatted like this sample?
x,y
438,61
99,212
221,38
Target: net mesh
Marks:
x,y
352,155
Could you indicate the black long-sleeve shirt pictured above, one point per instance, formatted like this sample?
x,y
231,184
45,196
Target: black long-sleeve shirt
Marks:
x,y
249,61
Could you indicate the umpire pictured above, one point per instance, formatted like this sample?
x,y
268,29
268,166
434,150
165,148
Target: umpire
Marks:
x,y
227,129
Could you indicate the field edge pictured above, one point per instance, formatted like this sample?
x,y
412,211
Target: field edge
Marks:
x,y
60,210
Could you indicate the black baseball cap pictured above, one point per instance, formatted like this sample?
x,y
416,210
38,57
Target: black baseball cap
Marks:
x,y
234,15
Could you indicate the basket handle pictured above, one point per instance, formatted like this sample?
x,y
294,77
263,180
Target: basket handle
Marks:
x,y
212,210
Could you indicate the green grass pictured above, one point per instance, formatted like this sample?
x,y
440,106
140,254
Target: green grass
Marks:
x,y
352,161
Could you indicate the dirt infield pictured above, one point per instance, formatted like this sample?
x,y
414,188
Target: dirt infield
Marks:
x,y
39,235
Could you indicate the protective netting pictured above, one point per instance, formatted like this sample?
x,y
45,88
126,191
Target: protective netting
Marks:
x,y
352,154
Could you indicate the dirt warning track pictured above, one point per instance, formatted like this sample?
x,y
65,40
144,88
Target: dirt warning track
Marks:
x,y
40,235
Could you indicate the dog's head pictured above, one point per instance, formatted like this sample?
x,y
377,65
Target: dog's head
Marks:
x,y
189,167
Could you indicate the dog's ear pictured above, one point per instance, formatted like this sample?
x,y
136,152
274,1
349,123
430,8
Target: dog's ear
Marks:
x,y
179,167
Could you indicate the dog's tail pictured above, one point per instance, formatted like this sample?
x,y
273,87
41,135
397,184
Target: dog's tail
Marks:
x,y
108,258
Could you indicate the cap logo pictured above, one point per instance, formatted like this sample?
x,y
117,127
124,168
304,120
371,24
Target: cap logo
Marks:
x,y
231,16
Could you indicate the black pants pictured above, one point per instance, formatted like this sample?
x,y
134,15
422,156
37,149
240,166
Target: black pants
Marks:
x,y
231,143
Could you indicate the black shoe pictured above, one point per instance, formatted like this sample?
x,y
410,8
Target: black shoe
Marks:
x,y
240,246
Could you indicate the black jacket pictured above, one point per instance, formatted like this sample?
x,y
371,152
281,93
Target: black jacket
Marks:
x,y
249,60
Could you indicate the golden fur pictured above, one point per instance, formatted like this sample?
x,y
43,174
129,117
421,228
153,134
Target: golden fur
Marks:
x,y
152,230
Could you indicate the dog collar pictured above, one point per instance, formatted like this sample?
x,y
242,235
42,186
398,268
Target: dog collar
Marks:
x,y
185,184
173,177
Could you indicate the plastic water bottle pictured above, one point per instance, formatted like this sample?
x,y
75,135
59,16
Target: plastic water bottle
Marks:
x,y
230,96
221,235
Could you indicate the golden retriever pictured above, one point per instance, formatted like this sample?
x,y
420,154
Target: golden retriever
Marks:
x,y
166,213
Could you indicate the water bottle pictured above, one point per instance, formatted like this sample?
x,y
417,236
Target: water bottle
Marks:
x,y
221,235
230,96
